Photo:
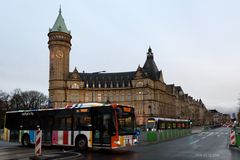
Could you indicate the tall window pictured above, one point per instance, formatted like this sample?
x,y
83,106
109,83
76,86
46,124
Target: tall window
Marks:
x,y
99,97
117,97
139,95
122,97
129,97
86,97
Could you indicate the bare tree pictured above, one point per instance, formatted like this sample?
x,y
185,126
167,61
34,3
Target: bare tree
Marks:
x,y
16,101
27,100
4,106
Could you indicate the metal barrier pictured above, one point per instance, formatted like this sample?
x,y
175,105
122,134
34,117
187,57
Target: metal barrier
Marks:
x,y
234,137
162,135
237,135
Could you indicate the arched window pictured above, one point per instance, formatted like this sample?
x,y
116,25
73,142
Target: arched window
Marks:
x,y
75,86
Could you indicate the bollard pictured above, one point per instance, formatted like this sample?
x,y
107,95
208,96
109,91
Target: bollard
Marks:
x,y
38,144
232,137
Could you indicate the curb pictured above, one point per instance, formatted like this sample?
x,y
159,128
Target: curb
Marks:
x,y
233,147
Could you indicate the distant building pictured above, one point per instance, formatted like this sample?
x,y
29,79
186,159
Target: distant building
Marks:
x,y
219,118
143,88
233,117
226,118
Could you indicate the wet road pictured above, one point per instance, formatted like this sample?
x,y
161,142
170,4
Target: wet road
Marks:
x,y
14,151
210,145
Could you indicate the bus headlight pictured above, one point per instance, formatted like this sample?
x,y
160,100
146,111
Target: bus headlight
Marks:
x,y
135,141
117,142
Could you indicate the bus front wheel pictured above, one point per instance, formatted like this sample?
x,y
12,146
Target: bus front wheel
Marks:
x,y
81,143
25,140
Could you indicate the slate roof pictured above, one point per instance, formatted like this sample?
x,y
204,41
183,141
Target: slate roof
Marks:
x,y
150,66
119,79
108,80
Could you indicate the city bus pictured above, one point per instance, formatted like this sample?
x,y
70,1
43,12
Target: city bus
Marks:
x,y
158,124
87,125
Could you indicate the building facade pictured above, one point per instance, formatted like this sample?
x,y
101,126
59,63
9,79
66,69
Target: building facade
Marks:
x,y
143,88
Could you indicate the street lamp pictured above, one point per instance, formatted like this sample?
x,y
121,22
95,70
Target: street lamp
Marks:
x,y
93,75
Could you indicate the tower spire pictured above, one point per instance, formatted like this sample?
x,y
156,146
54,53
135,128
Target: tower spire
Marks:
x,y
149,53
60,10
59,25
150,66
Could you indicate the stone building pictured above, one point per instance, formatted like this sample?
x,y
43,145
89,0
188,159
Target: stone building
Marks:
x,y
144,88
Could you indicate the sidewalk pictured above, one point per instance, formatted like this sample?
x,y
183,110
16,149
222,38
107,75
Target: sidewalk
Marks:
x,y
197,129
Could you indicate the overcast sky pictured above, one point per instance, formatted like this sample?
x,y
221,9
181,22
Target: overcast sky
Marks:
x,y
196,43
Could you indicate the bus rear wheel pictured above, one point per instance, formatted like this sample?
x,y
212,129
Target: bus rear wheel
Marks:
x,y
25,140
81,143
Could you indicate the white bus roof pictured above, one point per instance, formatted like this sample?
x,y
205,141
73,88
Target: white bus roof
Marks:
x,y
168,119
74,106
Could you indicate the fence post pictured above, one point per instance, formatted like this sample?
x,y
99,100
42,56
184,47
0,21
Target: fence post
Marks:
x,y
38,143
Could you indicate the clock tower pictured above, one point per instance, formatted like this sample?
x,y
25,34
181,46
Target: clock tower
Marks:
x,y
59,45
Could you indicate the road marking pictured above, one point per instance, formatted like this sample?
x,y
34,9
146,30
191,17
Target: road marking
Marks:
x,y
210,134
194,142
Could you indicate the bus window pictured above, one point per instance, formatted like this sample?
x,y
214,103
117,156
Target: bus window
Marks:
x,y
169,125
174,125
69,123
61,123
29,123
82,122
125,121
178,125
125,125
183,125
12,121
163,125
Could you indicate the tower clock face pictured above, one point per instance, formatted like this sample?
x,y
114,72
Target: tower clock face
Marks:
x,y
59,54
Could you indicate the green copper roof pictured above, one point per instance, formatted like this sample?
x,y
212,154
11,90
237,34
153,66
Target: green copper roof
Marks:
x,y
59,25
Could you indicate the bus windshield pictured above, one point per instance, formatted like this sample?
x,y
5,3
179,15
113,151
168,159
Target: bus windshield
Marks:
x,y
151,124
126,120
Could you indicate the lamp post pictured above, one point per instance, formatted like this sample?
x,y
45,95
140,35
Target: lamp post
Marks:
x,y
93,75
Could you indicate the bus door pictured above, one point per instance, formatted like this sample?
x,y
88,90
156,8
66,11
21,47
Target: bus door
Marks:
x,y
46,127
102,127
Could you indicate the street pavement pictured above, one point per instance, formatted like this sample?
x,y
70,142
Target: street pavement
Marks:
x,y
197,129
14,151
203,145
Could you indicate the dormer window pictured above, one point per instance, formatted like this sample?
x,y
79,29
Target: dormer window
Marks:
x,y
75,86
139,84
